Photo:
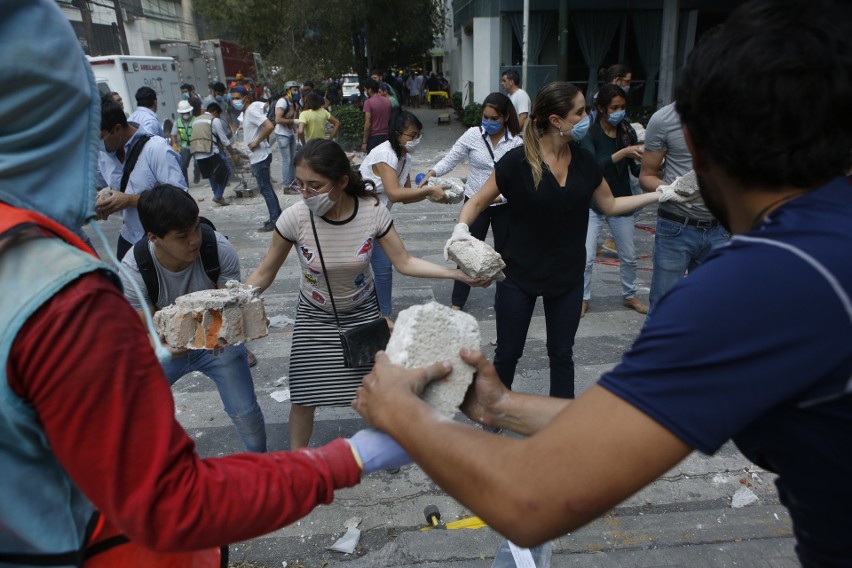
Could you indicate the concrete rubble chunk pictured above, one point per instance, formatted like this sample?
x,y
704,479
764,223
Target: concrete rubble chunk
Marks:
x,y
477,259
213,318
687,184
456,192
429,333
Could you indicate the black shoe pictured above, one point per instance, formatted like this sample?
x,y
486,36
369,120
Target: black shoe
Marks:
x,y
267,227
221,201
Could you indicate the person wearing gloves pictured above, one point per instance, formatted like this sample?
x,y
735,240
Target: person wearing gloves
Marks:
x,y
87,418
755,346
483,146
549,183
388,168
613,142
349,222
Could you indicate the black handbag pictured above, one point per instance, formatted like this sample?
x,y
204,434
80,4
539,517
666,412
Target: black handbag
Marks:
x,y
361,343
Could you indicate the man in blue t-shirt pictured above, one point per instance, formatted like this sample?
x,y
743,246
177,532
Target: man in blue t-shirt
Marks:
x,y
755,345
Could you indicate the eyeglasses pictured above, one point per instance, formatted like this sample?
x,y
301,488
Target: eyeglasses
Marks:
x,y
414,136
296,188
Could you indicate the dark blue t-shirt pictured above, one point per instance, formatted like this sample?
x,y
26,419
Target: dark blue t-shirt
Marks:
x,y
756,346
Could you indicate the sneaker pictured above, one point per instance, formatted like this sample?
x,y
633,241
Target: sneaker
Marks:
x,y
634,304
252,358
609,246
267,227
221,201
585,308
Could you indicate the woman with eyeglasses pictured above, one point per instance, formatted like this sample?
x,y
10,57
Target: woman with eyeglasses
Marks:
x,y
388,166
483,146
349,223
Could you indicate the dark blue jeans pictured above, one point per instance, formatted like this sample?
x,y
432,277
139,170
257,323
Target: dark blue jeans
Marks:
x,y
514,309
261,174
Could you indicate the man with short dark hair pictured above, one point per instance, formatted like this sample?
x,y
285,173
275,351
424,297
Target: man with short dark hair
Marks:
x,y
174,236
511,81
145,114
155,163
187,91
754,346
377,110
256,129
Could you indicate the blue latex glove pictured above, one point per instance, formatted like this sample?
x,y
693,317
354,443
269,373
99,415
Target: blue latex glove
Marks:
x,y
376,450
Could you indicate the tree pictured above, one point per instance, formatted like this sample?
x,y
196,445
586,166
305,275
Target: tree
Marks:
x,y
305,42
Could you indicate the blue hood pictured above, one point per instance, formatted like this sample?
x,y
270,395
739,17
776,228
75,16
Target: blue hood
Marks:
x,y
49,114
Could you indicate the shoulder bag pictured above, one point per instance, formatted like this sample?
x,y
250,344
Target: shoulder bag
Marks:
x,y
361,343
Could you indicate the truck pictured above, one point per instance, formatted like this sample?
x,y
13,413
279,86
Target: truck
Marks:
x,y
125,74
213,60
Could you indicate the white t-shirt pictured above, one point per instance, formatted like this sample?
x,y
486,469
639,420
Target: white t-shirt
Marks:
x,y
384,154
252,120
521,101
281,129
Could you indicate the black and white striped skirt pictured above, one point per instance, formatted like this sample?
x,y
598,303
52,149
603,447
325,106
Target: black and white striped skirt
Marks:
x,y
317,374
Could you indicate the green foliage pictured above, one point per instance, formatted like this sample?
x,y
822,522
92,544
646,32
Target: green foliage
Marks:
x,y
351,126
456,99
304,42
472,114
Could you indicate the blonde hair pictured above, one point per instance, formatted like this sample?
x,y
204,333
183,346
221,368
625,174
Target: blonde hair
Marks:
x,y
554,98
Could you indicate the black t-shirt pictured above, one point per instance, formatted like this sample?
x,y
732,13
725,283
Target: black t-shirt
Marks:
x,y
544,242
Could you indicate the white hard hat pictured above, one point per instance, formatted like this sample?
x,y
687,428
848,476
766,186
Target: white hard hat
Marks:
x,y
184,107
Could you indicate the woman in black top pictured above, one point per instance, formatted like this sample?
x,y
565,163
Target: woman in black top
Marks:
x,y
549,183
613,142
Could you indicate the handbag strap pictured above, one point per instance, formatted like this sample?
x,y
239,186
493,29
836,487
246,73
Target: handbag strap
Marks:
x,y
325,273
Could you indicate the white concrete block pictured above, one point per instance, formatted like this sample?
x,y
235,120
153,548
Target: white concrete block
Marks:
x,y
429,333
455,193
213,318
477,259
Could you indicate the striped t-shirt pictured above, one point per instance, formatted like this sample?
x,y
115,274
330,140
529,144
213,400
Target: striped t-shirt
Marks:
x,y
347,247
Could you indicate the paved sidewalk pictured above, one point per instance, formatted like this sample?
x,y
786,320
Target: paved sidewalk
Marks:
x,y
683,519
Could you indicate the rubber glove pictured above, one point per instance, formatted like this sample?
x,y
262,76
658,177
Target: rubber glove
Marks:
x,y
461,232
376,450
668,193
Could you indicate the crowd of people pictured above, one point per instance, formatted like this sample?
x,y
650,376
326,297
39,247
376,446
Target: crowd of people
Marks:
x,y
91,446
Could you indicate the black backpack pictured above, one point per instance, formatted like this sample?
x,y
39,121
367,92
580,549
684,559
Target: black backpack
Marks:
x,y
209,259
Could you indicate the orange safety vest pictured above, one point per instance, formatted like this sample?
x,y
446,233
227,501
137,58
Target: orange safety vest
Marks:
x,y
105,545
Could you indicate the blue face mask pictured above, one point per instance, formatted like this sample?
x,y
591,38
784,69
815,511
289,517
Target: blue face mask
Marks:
x,y
238,104
580,129
185,96
492,126
616,117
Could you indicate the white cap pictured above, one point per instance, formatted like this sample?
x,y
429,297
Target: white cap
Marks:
x,y
184,107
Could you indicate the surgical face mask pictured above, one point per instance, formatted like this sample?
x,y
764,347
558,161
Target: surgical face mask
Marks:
x,y
626,89
185,117
412,145
185,96
319,204
238,104
220,99
492,126
579,130
616,117
106,148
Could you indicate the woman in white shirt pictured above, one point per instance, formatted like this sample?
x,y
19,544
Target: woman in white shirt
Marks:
x,y
388,166
483,146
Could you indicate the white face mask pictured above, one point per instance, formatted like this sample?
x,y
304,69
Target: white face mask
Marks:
x,y
412,145
319,204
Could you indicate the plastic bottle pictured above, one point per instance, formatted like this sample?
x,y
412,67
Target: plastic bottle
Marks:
x,y
419,178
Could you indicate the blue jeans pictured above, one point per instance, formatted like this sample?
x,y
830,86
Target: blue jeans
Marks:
x,y
230,371
185,157
679,248
514,309
287,147
261,174
622,234
383,274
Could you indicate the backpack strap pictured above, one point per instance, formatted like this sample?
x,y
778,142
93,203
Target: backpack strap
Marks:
x,y
145,263
130,162
210,251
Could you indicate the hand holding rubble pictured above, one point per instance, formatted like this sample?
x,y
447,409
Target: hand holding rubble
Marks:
x,y
668,193
461,232
487,392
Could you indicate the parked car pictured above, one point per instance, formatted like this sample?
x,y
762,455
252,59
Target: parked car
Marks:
x,y
349,86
